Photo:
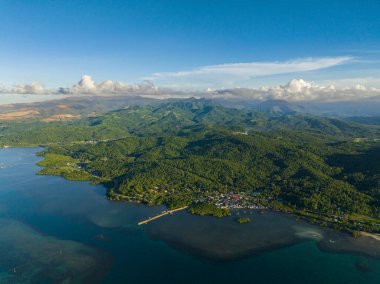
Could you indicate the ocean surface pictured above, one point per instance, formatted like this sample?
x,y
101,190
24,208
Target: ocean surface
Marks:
x,y
58,231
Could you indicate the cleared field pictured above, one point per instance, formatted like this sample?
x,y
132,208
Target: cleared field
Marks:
x,y
27,113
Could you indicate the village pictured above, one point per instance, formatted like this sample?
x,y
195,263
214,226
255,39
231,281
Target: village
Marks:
x,y
238,200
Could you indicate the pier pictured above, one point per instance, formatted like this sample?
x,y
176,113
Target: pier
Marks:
x,y
160,215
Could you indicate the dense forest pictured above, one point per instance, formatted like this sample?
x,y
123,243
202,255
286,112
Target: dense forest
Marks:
x,y
191,152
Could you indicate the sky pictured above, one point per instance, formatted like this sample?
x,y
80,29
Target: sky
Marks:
x,y
189,44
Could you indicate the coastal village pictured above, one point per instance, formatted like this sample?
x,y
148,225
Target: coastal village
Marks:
x,y
237,200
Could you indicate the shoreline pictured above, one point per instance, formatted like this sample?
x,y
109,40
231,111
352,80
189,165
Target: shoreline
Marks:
x,y
309,219
370,235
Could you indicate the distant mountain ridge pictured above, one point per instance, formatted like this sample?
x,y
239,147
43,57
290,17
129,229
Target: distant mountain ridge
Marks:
x,y
279,107
86,105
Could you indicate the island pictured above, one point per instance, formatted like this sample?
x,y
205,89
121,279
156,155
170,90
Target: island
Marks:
x,y
243,220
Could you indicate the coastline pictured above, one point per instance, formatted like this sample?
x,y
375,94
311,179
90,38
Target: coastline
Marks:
x,y
371,235
313,219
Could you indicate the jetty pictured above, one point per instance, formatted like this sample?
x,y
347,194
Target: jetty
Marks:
x,y
161,215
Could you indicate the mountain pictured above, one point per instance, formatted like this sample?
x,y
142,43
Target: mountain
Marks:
x,y
171,117
342,109
370,120
60,109
279,107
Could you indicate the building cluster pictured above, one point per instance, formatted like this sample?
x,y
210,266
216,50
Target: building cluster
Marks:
x,y
237,201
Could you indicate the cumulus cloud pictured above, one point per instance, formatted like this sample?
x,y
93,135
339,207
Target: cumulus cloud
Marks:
x,y
299,90
33,88
238,72
86,85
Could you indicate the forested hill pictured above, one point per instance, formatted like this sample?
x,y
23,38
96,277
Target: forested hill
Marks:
x,y
192,151
169,117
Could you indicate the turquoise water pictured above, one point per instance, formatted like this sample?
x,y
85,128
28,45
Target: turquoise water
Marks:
x,y
58,231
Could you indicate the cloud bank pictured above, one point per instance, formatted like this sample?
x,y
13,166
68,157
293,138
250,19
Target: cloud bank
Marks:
x,y
33,88
300,90
295,90
86,85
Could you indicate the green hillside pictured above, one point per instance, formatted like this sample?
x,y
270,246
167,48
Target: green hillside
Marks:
x,y
197,151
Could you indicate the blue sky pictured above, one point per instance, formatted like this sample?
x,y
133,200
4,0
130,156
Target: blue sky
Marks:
x,y
56,42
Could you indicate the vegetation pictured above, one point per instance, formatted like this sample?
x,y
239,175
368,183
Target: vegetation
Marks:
x,y
209,209
196,152
243,220
61,165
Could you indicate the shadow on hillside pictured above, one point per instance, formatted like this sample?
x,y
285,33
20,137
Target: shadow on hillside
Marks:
x,y
368,161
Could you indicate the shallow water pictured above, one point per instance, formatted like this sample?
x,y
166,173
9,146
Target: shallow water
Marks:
x,y
53,230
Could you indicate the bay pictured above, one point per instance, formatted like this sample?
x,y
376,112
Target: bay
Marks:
x,y
58,231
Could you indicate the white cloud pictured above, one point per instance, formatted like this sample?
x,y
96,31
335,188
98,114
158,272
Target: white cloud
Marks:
x,y
230,74
295,90
343,82
300,90
33,88
86,85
